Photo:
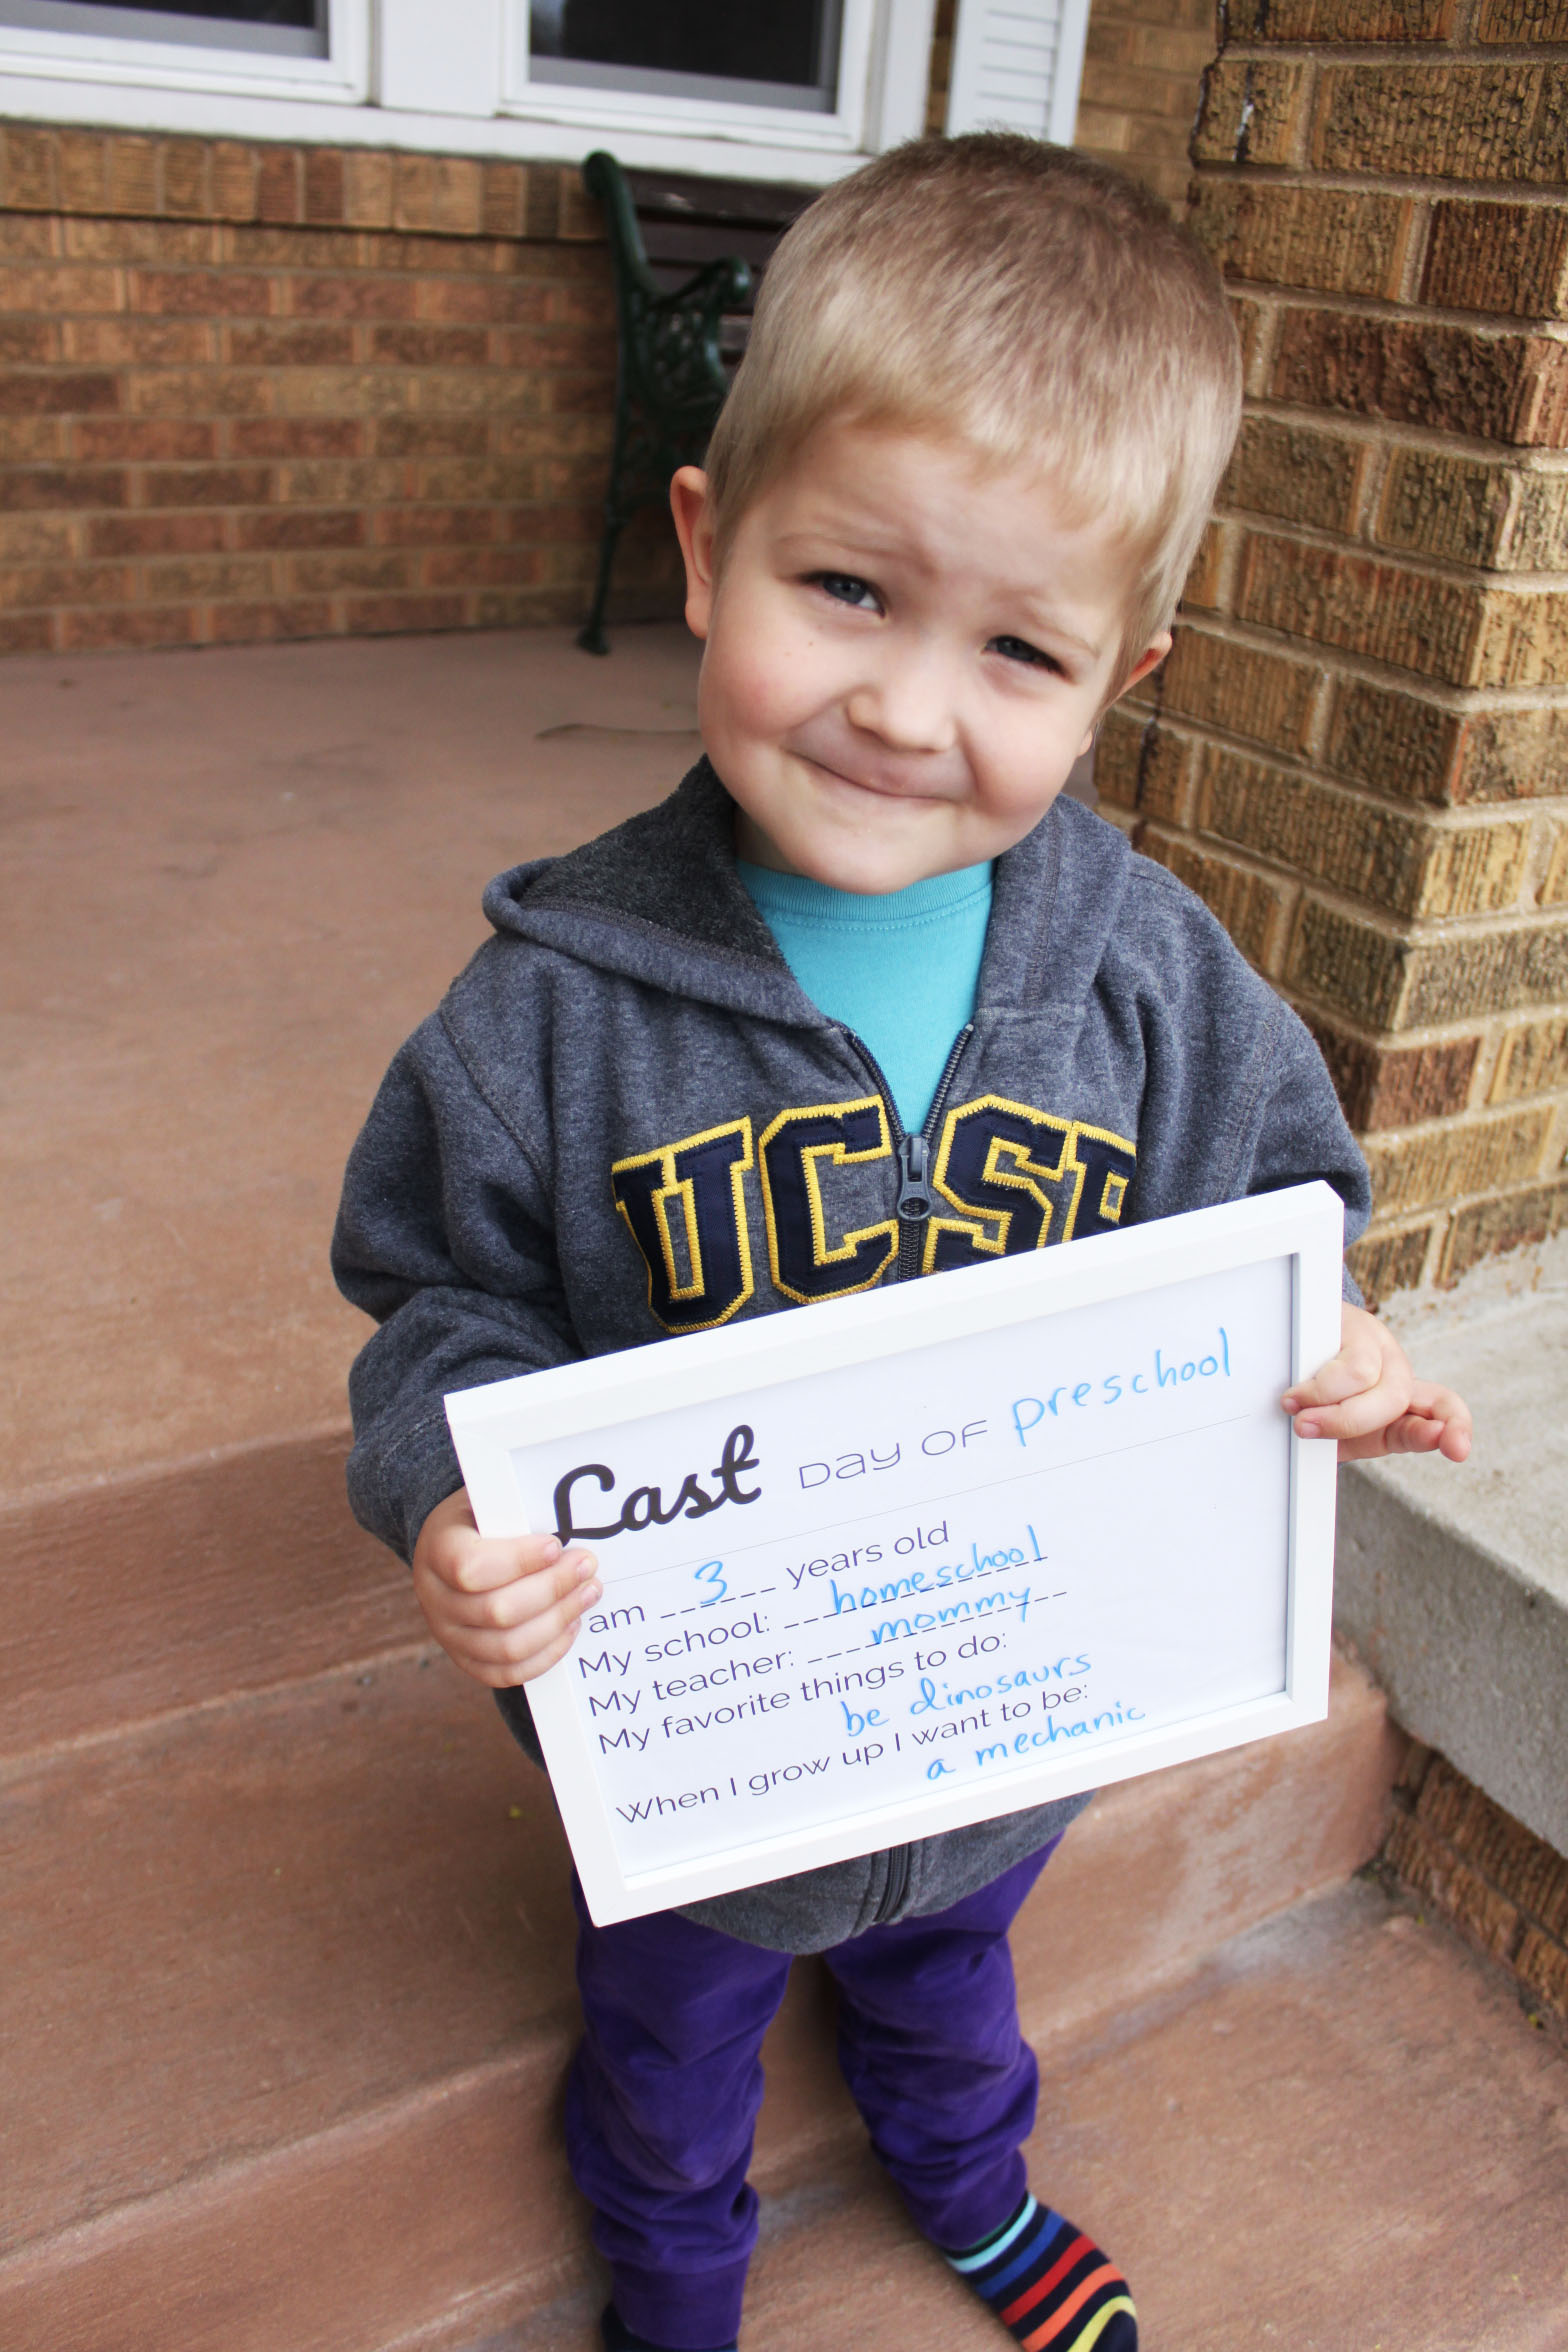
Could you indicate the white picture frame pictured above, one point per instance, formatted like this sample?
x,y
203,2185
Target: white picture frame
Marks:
x,y
1203,1528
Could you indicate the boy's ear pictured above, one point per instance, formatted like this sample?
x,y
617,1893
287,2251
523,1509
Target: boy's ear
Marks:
x,y
1148,660
690,505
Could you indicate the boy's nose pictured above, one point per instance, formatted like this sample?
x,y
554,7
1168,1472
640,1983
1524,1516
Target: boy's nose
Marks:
x,y
907,703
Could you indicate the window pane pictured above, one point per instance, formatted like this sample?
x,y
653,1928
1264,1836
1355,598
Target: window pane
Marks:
x,y
786,54
267,12
295,28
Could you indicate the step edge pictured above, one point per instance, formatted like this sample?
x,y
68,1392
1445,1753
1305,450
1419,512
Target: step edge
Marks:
x,y
547,2039
1470,1644
16,1761
1159,1983
489,2309
43,1496
213,2184
838,2148
1359,1719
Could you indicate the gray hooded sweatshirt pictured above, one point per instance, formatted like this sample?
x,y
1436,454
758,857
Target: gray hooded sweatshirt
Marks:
x,y
632,1037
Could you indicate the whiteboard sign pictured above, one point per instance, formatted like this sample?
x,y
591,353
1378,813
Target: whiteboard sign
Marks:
x,y
917,1558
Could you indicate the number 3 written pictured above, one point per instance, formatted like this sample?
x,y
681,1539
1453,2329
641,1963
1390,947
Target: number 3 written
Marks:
x,y
712,1572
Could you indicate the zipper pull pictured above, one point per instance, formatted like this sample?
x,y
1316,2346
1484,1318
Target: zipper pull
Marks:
x,y
914,1180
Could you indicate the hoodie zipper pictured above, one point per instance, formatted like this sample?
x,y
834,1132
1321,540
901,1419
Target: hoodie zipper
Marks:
x,y
914,1206
913,1152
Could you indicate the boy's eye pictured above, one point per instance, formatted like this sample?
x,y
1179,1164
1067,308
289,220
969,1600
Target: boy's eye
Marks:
x,y
1019,650
844,588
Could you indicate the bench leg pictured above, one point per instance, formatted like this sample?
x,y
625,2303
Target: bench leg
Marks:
x,y
591,636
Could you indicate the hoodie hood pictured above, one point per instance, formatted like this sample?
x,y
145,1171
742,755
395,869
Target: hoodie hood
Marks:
x,y
659,900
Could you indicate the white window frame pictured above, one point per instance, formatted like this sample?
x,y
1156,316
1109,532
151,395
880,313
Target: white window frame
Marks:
x,y
606,112
423,77
341,77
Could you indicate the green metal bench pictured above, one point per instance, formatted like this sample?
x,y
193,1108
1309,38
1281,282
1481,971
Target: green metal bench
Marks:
x,y
675,326
669,379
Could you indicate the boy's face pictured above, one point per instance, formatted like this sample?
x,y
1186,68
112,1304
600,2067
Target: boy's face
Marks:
x,y
905,653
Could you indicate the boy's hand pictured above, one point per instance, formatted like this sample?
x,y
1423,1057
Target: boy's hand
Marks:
x,y
505,1608
1368,1397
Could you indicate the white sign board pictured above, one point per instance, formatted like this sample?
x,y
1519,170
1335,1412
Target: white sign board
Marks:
x,y
905,1561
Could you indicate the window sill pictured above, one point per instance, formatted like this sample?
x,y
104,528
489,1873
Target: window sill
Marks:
x,y
328,117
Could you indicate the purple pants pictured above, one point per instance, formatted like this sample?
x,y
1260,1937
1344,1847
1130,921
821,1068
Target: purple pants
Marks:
x,y
663,2097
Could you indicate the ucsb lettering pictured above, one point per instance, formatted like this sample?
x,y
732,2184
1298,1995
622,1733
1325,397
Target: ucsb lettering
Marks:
x,y
1005,1178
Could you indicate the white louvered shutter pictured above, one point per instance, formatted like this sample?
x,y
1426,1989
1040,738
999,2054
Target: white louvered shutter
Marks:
x,y
1016,67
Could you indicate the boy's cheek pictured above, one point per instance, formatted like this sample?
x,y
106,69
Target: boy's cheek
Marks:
x,y
742,688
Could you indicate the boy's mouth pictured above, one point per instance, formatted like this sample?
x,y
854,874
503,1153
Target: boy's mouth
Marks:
x,y
936,779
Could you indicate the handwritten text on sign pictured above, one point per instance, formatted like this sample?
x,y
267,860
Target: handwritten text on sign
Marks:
x,y
835,1593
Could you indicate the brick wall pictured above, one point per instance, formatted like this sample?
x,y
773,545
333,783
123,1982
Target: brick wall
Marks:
x,y
1358,752
265,390
1502,1887
939,78
258,391
1141,70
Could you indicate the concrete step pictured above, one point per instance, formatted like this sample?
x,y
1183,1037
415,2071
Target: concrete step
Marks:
x,y
229,1572
1455,1591
287,1980
1337,2135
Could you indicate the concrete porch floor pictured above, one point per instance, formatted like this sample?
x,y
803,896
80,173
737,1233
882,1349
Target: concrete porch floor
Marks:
x,y
236,880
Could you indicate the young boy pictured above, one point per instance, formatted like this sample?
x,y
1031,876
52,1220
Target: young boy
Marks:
x,y
864,1000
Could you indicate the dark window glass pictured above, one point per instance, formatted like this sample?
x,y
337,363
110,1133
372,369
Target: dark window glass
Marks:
x,y
282,28
301,13
785,54
697,37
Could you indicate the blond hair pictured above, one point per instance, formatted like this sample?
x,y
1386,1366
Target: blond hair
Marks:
x,y
1043,310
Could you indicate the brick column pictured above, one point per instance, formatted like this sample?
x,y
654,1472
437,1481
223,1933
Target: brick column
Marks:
x,y
1141,66
1358,752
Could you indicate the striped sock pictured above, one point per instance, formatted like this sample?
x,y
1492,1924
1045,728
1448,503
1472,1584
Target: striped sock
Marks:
x,y
1051,2285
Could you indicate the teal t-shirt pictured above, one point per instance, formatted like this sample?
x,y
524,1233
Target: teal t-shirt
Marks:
x,y
901,970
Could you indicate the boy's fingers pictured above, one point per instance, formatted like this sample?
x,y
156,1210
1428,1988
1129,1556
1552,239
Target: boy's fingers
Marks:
x,y
522,1650
1438,1422
571,1585
1359,1368
1373,1409
570,1581
555,1603
1368,1399
513,1676
521,1597
1447,1406
1411,1435
477,1566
